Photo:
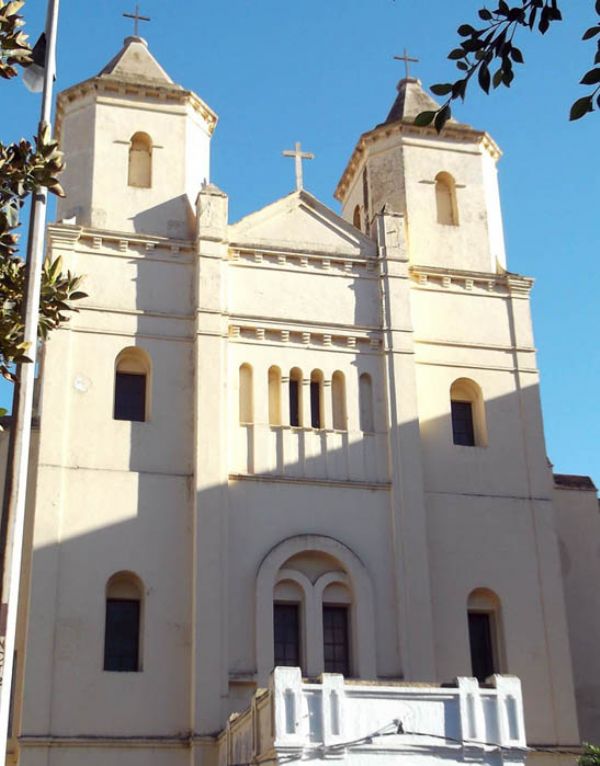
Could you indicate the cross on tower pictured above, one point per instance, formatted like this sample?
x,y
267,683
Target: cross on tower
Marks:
x,y
137,18
298,156
407,59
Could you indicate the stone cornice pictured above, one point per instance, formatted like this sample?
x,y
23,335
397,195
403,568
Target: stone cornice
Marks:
x,y
459,133
475,282
265,332
325,262
160,93
118,243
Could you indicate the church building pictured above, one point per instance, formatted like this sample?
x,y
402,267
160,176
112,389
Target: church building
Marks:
x,y
303,441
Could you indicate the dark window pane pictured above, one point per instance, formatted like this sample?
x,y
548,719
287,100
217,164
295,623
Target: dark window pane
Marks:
x,y
480,639
336,645
315,404
294,402
286,626
462,423
122,635
130,396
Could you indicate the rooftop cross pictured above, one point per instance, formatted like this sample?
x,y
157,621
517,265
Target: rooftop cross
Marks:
x,y
407,59
137,18
298,155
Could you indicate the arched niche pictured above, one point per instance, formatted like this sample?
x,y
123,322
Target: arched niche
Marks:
x,y
445,199
139,172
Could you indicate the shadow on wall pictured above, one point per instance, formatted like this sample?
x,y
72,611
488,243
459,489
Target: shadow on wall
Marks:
x,y
174,218
140,520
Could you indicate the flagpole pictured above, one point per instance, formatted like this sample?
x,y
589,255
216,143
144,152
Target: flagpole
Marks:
x,y
21,417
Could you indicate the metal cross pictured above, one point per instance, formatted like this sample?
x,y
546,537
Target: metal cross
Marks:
x,y
137,18
406,58
298,156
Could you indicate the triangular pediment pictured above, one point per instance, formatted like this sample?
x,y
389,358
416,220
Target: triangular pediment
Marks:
x,y
300,223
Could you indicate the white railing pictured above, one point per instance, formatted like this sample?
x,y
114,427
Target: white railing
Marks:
x,y
371,723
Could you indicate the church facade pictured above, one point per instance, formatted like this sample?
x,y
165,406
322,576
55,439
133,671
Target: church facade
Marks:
x,y
302,439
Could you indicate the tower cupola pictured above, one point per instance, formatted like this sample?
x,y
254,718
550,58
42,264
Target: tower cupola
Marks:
x,y
137,147
445,185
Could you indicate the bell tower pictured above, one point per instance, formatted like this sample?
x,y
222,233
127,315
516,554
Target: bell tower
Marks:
x,y
444,185
138,146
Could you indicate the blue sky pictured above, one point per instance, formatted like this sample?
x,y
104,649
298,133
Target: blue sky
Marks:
x,y
322,73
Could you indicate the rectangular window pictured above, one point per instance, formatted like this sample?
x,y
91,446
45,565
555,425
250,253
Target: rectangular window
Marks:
x,y
482,646
122,635
315,404
462,424
286,627
130,396
336,644
294,403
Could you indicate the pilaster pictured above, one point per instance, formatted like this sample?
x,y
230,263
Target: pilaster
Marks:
x,y
408,512
210,669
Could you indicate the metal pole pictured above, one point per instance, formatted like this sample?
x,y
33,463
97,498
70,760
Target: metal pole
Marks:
x,y
21,421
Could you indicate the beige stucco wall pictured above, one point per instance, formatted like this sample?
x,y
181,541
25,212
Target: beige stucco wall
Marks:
x,y
579,533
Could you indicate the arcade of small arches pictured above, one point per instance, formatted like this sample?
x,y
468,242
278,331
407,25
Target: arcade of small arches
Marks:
x,y
306,402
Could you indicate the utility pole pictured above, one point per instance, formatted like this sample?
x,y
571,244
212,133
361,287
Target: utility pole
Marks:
x,y
21,417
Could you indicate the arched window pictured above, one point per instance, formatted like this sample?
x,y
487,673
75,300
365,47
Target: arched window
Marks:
x,y
122,630
337,600
312,598
288,605
445,198
356,218
295,397
338,401
485,630
246,404
140,161
132,385
315,572
274,396
316,399
468,414
365,395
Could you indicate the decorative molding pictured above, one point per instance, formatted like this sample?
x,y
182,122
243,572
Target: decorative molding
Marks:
x,y
330,264
254,333
474,282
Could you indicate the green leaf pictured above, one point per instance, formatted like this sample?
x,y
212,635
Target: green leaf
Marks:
x,y
580,107
517,55
592,77
591,32
466,30
441,89
424,119
485,15
484,78
442,118
497,79
457,53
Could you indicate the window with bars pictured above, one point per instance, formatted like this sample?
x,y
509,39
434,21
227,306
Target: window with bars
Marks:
x,y
336,643
482,645
286,628
122,635
463,431
130,396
